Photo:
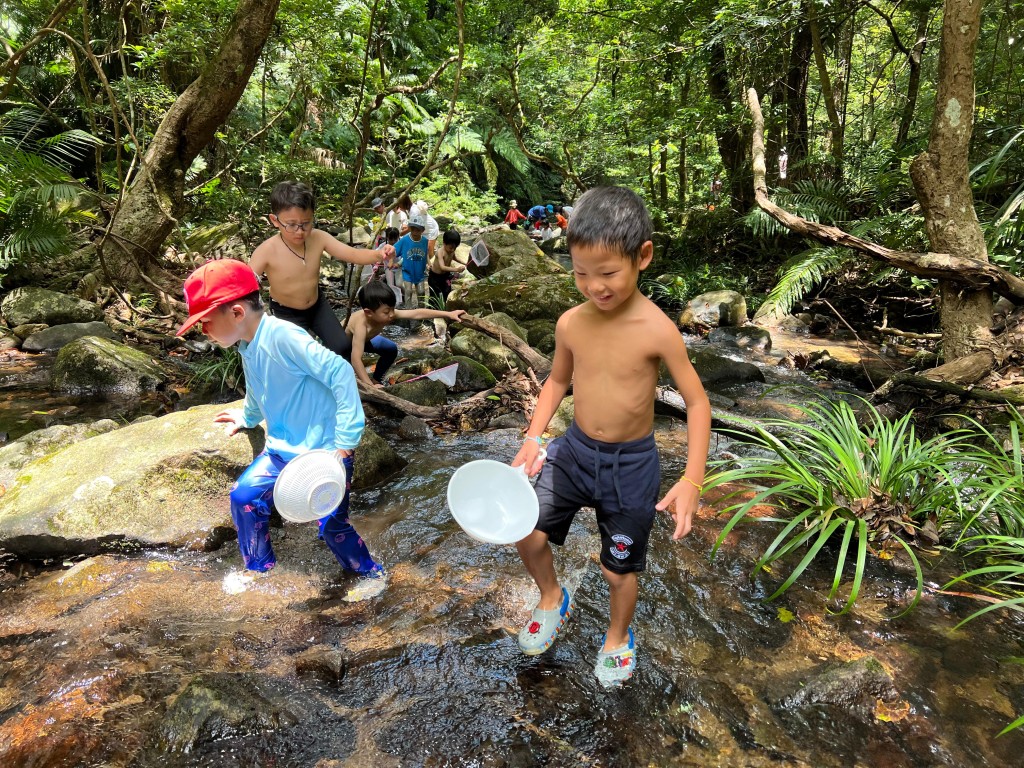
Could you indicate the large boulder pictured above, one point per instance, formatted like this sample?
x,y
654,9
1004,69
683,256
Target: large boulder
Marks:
x,y
531,296
161,482
742,337
97,366
488,351
507,247
38,305
43,442
714,309
59,336
717,369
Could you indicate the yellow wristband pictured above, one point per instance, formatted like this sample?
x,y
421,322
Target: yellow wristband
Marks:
x,y
700,488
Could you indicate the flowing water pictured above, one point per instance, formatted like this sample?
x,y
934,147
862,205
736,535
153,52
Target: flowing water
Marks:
x,y
180,659
177,659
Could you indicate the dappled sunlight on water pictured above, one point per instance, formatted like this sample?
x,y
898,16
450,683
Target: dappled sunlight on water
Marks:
x,y
171,659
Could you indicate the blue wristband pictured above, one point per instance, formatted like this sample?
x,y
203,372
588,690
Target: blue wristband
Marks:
x,y
540,440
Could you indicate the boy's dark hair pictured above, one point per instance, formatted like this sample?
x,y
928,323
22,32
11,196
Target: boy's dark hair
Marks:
x,y
391,234
452,238
375,294
252,300
404,202
611,216
292,194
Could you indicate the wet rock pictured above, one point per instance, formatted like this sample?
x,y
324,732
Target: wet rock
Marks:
x,y
471,375
97,366
491,353
158,483
8,340
375,461
851,685
413,428
323,662
766,318
716,369
43,442
38,305
714,309
743,337
22,332
421,392
534,288
509,421
57,336
225,706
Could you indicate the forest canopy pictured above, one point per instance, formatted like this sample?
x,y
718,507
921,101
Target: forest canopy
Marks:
x,y
136,126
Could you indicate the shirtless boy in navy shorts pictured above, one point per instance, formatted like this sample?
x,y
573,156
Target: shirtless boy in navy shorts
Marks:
x,y
609,348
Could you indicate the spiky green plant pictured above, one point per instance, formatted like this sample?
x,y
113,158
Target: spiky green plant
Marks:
x,y
833,479
222,371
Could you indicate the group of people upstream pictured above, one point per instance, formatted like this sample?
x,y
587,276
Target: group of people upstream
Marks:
x,y
541,220
609,349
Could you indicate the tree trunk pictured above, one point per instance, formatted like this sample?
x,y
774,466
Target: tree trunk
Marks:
x,y
940,176
796,99
836,143
731,145
914,79
155,199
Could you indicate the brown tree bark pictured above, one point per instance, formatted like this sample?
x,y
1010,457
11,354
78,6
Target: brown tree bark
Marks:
x,y
827,93
940,176
155,199
731,145
796,98
964,273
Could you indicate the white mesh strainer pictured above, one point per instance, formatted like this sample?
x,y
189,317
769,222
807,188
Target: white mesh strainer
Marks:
x,y
310,486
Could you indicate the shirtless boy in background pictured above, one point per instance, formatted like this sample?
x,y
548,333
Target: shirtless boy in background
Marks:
x,y
291,261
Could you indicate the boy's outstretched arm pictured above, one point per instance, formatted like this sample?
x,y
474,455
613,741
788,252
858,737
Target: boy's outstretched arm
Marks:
x,y
683,497
343,252
429,314
358,347
551,396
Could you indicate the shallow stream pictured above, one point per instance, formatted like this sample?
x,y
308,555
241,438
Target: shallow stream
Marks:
x,y
173,659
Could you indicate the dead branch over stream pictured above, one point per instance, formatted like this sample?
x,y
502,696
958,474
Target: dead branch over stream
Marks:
x,y
971,273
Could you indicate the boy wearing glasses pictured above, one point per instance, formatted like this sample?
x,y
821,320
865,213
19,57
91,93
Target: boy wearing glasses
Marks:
x,y
291,261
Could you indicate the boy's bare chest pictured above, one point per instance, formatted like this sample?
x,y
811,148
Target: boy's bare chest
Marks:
x,y
287,265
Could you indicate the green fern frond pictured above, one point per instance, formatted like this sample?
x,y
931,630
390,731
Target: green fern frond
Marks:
x,y
505,146
803,274
461,140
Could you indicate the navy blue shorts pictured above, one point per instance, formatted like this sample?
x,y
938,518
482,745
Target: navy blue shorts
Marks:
x,y
620,480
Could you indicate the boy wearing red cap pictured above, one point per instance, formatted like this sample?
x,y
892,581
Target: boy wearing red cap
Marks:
x,y
306,394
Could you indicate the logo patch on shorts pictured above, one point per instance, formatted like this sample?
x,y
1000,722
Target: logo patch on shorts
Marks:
x,y
620,549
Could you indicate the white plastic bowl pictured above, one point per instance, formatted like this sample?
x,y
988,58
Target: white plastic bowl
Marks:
x,y
310,486
493,502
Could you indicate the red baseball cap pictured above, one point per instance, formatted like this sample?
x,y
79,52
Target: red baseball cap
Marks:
x,y
216,283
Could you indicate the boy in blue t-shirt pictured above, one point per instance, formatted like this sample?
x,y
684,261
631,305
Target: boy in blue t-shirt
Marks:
x,y
305,393
412,250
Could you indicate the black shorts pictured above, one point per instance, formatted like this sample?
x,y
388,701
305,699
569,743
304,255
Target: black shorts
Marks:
x,y
620,480
318,320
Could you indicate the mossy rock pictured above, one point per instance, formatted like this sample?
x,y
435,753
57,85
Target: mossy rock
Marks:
x,y
38,305
421,392
96,366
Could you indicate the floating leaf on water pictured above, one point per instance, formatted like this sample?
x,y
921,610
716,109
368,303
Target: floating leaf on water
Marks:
x,y
493,397
891,713
786,615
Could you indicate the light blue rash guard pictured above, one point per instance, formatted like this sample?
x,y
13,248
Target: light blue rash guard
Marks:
x,y
306,393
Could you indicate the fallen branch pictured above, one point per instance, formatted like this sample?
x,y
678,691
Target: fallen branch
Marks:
x,y
540,364
975,274
908,334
